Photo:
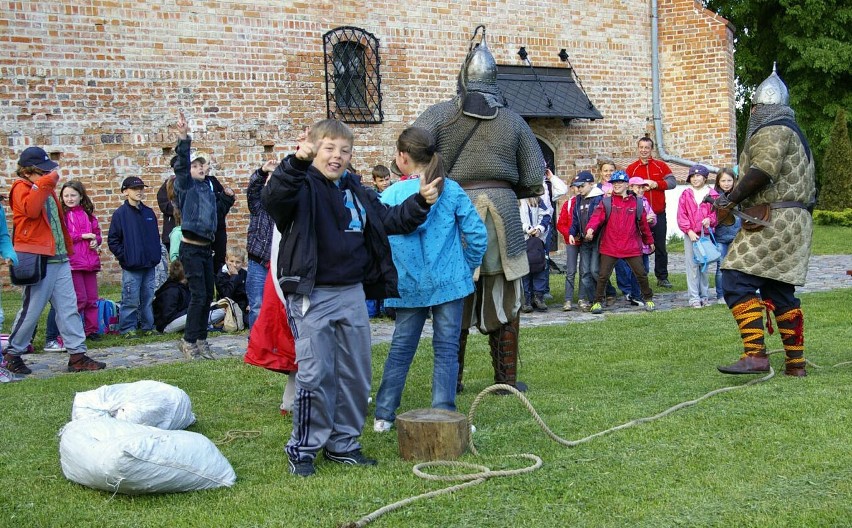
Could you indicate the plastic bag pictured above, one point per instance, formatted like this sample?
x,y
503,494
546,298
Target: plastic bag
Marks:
x,y
145,402
123,457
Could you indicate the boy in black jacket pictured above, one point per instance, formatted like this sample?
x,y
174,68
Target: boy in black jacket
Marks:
x,y
333,249
231,281
134,239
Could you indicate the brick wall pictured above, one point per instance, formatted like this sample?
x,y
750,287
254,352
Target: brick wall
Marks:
x,y
98,84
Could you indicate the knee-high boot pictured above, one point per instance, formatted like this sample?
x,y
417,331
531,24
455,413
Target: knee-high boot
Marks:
x,y
504,354
462,349
749,317
791,325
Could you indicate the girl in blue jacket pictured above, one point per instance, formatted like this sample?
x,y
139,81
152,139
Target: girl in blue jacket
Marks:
x,y
436,265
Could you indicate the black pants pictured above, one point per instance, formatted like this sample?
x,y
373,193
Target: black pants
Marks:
x,y
198,265
661,255
741,287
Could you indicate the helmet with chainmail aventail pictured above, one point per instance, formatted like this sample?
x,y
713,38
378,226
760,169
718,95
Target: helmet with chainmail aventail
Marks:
x,y
771,91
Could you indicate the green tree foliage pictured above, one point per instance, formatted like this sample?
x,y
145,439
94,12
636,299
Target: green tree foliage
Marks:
x,y
811,40
836,174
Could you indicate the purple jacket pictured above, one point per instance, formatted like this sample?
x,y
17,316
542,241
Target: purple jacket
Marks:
x,y
79,223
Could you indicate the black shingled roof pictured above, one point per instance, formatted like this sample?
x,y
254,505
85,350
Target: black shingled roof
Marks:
x,y
525,96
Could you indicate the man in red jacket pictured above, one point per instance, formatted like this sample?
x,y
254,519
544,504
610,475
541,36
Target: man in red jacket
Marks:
x,y
660,179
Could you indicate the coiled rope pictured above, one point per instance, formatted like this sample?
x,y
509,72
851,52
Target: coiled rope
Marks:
x,y
483,473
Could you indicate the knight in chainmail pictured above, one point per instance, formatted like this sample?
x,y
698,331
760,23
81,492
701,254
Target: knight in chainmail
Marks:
x,y
771,260
491,151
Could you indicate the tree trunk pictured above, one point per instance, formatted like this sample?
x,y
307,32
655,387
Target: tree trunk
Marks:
x,y
432,434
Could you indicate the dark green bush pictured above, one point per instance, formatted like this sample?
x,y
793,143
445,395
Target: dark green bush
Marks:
x,y
833,218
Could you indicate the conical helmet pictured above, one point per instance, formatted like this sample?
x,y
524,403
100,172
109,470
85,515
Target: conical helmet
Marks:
x,y
479,67
771,91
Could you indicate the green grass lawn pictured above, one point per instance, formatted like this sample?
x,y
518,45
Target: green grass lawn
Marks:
x,y
828,240
776,454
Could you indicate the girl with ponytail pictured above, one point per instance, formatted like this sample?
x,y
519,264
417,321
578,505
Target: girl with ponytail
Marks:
x,y
436,265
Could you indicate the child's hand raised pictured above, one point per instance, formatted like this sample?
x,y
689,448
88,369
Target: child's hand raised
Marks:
x,y
430,191
182,126
305,150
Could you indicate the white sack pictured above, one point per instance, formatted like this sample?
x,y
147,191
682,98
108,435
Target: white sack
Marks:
x,y
122,457
145,402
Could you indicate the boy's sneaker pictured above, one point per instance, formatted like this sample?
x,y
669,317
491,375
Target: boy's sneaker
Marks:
x,y
382,426
633,300
189,350
527,308
539,305
54,345
664,283
129,335
204,349
584,305
352,458
7,376
650,306
82,362
695,304
596,308
15,364
302,468
567,307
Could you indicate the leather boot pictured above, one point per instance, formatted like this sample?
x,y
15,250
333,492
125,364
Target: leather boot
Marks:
x,y
504,355
462,348
749,317
791,325
754,364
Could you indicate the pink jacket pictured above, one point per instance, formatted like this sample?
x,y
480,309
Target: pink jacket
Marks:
x,y
79,223
622,238
690,214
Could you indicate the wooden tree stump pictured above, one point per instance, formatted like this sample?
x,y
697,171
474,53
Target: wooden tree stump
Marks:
x,y
432,434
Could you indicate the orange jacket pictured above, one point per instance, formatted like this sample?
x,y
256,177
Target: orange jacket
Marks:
x,y
32,233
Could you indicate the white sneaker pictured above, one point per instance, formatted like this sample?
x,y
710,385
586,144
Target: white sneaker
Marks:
x,y
54,345
382,426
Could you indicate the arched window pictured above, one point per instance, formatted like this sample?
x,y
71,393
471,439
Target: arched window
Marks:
x,y
353,83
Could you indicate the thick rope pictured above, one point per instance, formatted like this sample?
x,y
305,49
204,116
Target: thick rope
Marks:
x,y
482,473
236,434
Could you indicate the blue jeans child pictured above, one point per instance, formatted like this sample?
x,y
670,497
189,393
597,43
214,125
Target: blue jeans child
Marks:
x,y
446,326
137,300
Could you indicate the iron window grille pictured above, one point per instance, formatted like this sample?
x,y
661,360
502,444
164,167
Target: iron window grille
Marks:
x,y
352,79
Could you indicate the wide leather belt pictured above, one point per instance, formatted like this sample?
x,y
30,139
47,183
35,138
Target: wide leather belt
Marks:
x,y
784,205
493,184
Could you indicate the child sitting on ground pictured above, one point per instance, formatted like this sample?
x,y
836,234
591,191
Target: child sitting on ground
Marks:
x,y
231,280
623,230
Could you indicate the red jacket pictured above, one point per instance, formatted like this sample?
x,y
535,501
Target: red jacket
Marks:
x,y
32,233
566,216
656,171
621,238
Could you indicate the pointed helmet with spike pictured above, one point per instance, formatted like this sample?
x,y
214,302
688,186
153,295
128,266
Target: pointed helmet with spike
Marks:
x,y
479,68
771,91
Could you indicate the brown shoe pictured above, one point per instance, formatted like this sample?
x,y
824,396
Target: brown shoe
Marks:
x,y
747,365
798,372
82,363
15,364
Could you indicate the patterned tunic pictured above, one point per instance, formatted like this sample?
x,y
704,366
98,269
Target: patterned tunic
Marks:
x,y
780,251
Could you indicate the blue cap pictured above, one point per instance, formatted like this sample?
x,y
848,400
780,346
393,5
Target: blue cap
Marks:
x,y
582,177
619,176
37,157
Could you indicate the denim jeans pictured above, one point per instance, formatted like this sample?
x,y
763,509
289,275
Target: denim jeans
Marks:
x,y
137,300
254,288
571,255
535,284
446,328
198,265
590,263
720,286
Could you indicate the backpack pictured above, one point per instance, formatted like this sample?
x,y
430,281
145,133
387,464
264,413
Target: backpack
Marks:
x,y
233,321
108,312
640,210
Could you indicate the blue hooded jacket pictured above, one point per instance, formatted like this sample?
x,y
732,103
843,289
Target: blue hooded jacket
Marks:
x,y
436,262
